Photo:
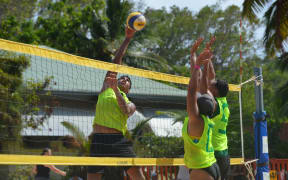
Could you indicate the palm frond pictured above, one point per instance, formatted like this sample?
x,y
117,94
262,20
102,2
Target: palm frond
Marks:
x,y
117,12
79,135
137,131
276,26
283,61
149,59
252,7
282,99
178,116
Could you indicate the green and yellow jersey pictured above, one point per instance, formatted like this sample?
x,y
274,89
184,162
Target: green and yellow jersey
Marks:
x,y
108,112
199,152
219,139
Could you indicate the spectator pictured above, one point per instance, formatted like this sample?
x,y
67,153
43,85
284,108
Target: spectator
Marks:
x,y
43,171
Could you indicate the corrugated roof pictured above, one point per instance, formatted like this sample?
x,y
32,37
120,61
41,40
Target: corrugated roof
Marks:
x,y
68,78
74,78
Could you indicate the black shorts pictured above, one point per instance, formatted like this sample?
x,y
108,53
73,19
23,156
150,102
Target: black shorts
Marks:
x,y
109,145
224,165
212,170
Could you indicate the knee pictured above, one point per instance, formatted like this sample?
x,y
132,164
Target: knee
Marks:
x,y
135,173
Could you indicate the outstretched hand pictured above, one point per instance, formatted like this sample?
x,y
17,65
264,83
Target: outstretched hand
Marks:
x,y
193,50
112,81
204,57
207,54
196,45
129,32
209,44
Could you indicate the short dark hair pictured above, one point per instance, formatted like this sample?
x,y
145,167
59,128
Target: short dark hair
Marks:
x,y
125,76
45,150
222,87
205,104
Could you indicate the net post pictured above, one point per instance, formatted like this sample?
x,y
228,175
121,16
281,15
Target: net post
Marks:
x,y
260,130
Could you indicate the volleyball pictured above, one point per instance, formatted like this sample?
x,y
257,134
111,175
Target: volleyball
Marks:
x,y
136,21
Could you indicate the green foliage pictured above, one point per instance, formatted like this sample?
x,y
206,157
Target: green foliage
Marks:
x,y
65,27
78,141
83,30
20,102
117,12
141,128
276,22
178,115
15,30
22,172
154,146
146,60
164,36
23,9
11,101
282,91
277,147
283,62
170,34
9,27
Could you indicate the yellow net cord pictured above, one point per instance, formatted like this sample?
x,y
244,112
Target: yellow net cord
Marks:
x,y
77,60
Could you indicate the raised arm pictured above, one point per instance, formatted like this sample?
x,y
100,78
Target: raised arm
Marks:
x,y
126,108
211,71
194,84
204,80
193,56
129,33
195,125
120,52
192,108
205,60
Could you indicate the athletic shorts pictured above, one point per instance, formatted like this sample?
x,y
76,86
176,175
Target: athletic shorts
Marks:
x,y
109,145
224,165
212,170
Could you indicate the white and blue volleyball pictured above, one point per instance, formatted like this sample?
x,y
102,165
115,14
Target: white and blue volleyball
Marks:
x,y
136,21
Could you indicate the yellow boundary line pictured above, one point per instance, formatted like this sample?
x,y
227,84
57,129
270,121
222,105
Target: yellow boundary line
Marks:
x,y
69,58
10,159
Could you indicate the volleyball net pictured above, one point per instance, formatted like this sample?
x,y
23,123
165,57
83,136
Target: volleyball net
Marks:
x,y
52,104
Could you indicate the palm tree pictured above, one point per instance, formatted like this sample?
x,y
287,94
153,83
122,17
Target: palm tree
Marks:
x,y
276,19
78,141
275,37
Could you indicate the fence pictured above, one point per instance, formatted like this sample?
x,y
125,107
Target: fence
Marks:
x,y
278,171
281,168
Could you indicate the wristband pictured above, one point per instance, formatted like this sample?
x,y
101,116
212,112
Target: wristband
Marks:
x,y
196,67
